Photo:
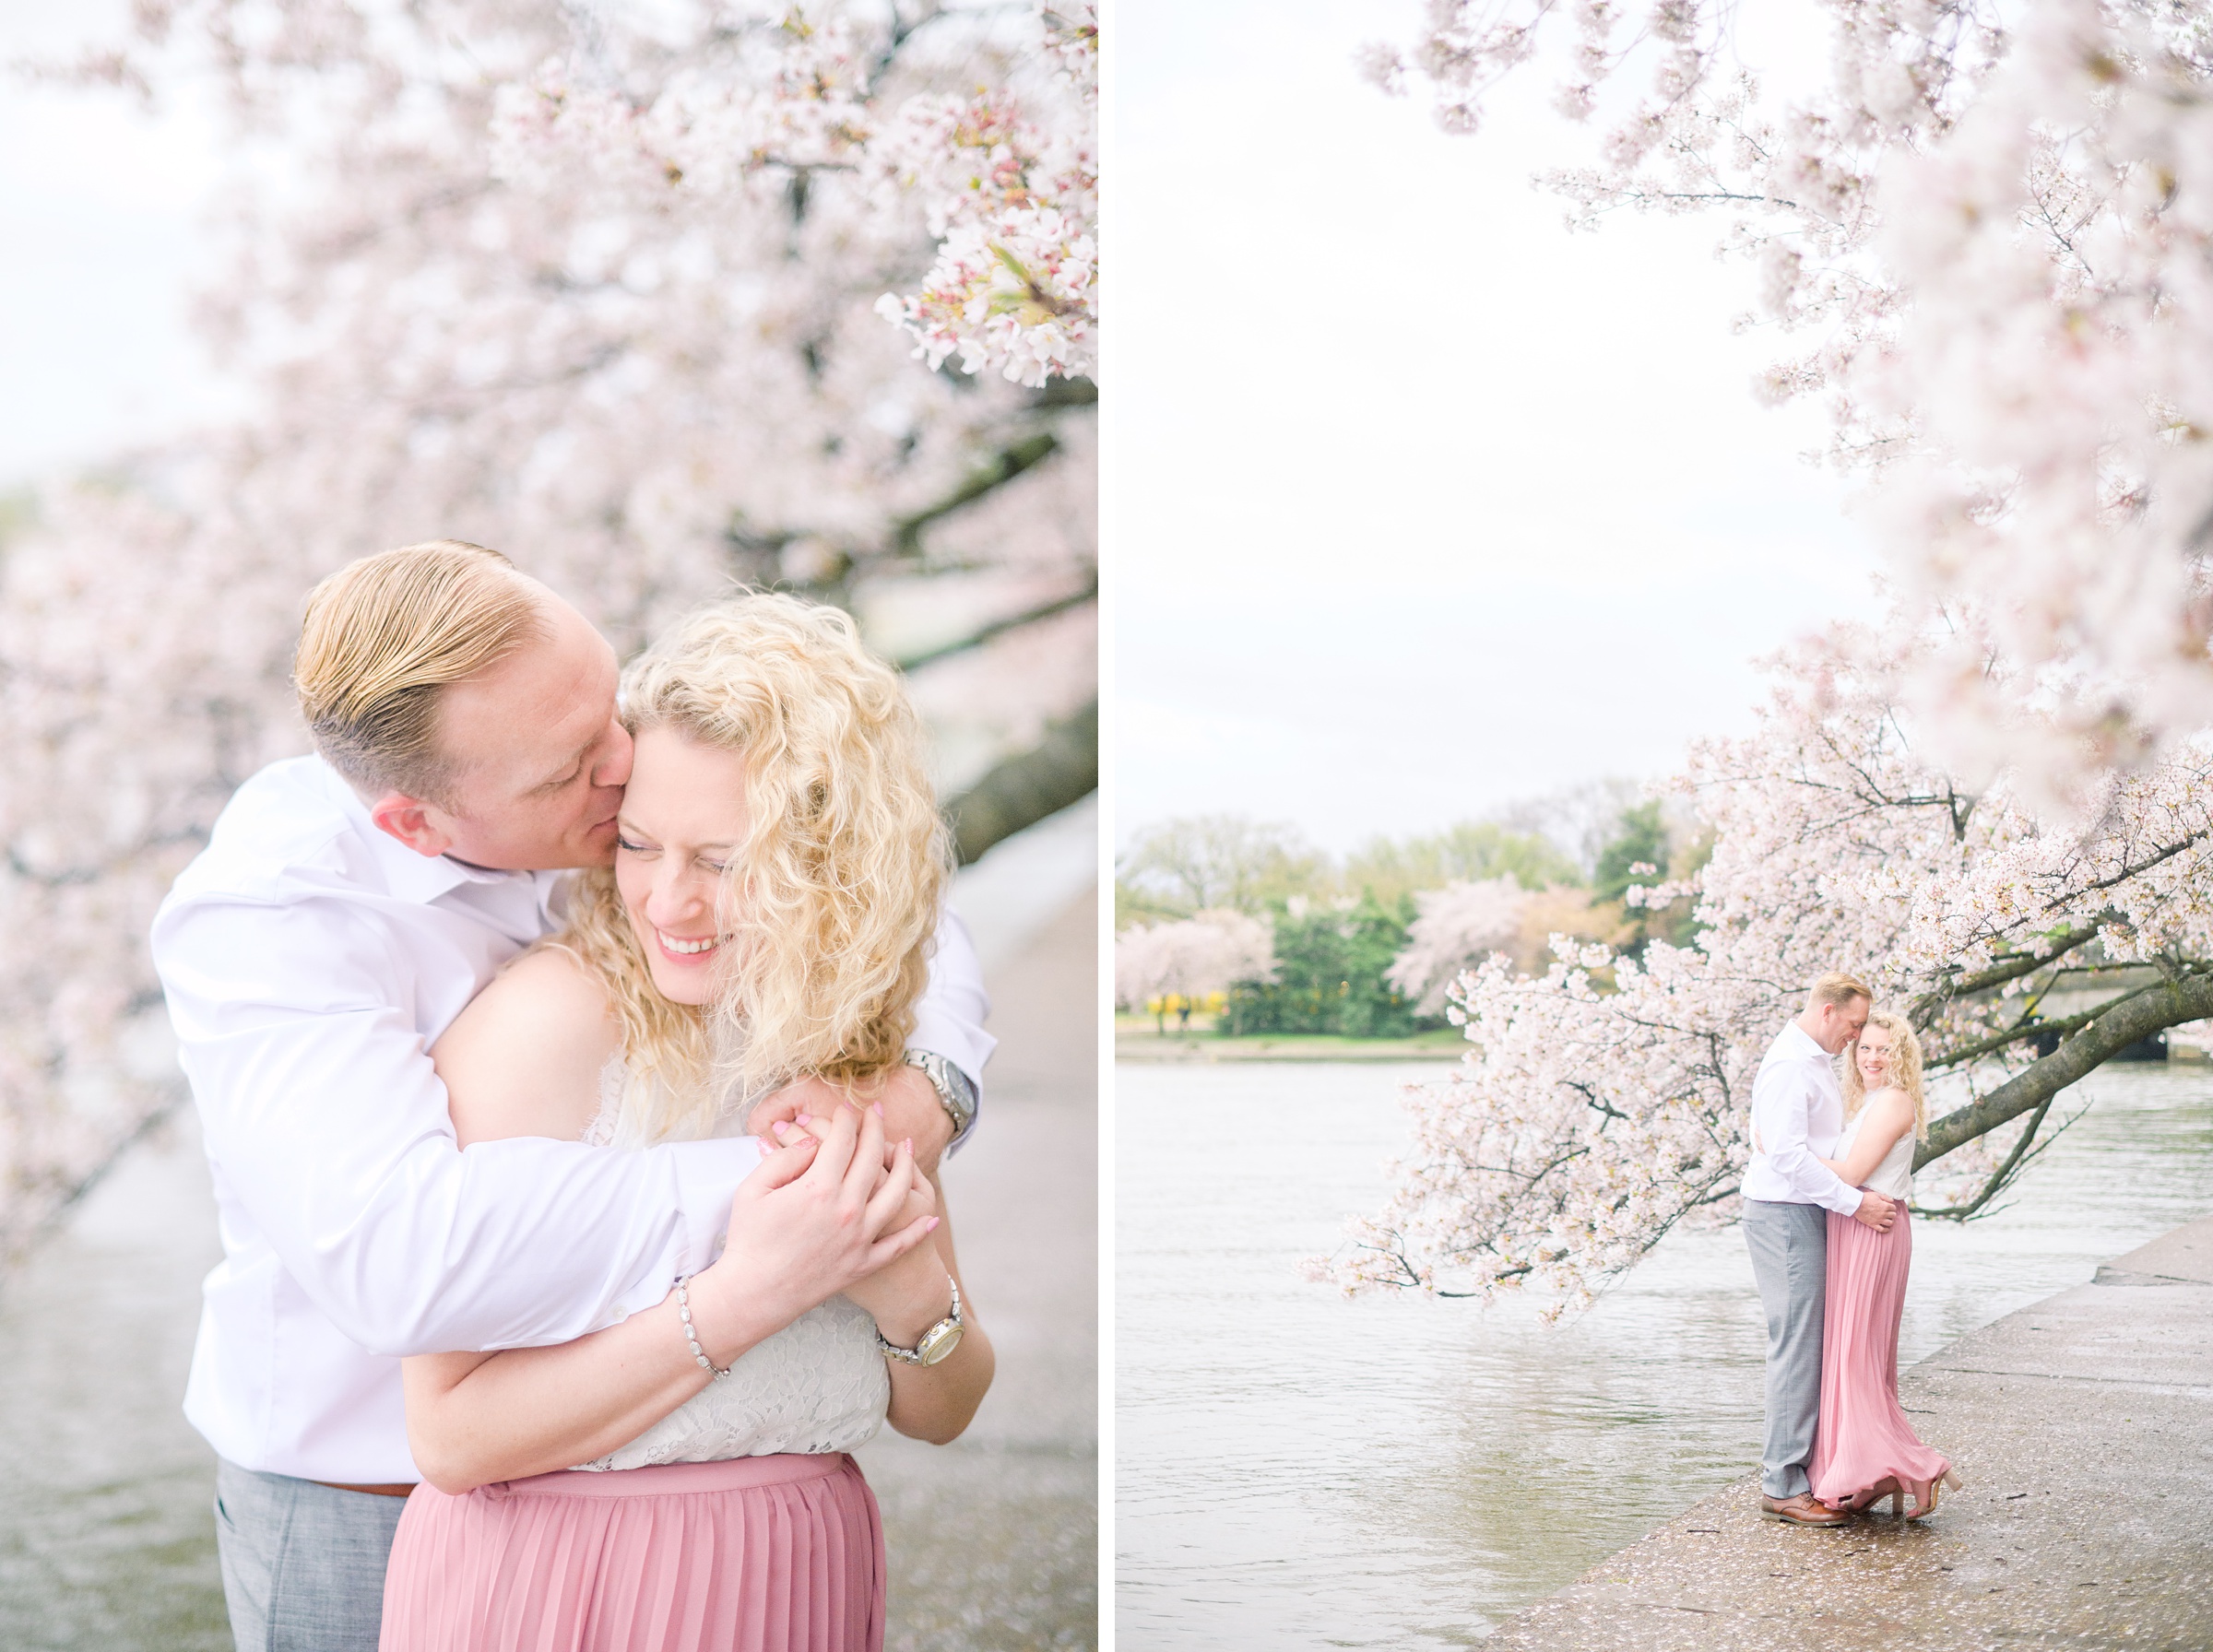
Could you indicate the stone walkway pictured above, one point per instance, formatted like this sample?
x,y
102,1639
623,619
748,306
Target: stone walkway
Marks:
x,y
2083,1427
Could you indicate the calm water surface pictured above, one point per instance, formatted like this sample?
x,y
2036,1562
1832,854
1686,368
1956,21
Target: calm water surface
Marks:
x,y
1298,1471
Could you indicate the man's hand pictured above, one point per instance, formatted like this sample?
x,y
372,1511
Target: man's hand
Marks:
x,y
1875,1210
911,1111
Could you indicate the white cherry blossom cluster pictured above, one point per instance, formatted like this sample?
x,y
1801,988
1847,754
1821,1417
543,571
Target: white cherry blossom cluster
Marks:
x,y
1191,957
1455,928
640,389
1005,176
1606,1100
1993,224
1013,287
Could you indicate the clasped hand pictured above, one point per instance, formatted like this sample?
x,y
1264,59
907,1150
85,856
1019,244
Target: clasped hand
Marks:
x,y
1875,1210
824,1211
908,1100
910,1293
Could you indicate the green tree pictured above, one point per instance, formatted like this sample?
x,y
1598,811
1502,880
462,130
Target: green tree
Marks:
x,y
1639,839
1329,969
1643,838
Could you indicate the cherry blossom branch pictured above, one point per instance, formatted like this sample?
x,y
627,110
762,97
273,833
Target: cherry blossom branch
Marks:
x,y
995,472
2017,1160
1995,219
1061,770
1926,1008
999,627
1601,1104
2156,1008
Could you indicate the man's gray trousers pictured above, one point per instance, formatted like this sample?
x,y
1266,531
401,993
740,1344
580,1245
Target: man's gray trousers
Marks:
x,y
303,1564
1790,1260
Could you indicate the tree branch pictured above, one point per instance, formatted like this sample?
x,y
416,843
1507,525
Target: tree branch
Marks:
x,y
1062,769
2065,1027
982,635
2129,1022
2015,1161
1002,467
2027,964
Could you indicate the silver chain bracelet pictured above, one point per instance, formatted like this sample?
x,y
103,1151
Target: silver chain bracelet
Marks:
x,y
683,1308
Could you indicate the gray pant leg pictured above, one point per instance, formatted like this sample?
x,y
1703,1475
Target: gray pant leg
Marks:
x,y
1790,1260
303,1564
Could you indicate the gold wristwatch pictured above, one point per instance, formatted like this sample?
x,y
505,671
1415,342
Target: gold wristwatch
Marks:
x,y
938,1341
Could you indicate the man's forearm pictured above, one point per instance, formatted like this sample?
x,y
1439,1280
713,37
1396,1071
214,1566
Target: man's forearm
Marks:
x,y
514,1244
1813,1181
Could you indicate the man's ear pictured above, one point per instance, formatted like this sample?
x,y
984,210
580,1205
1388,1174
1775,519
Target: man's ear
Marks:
x,y
408,820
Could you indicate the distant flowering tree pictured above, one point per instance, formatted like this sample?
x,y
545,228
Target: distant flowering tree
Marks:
x,y
1995,226
1604,1103
633,294
1455,929
1191,958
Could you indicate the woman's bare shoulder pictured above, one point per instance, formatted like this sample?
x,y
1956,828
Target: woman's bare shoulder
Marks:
x,y
525,1058
1890,1104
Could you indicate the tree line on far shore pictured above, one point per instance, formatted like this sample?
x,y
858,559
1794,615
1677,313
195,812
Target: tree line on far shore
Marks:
x,y
1249,926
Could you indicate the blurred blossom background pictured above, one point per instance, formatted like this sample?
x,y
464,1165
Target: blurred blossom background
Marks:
x,y
654,297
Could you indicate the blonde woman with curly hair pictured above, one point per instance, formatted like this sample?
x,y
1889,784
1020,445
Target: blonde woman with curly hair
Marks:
x,y
1863,1447
778,873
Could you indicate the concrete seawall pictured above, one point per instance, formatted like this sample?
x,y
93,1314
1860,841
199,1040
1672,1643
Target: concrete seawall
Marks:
x,y
2083,1427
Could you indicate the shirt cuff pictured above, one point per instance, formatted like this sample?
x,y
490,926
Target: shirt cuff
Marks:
x,y
1839,1197
707,1173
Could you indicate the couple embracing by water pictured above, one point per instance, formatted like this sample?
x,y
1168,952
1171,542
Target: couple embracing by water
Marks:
x,y
1825,1217
575,1053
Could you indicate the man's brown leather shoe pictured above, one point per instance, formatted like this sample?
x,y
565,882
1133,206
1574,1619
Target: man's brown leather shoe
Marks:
x,y
1800,1510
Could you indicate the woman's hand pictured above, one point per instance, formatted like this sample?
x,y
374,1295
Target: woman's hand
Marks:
x,y
910,1294
816,1218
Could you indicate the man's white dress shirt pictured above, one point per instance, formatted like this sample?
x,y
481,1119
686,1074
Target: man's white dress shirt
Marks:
x,y
310,960
1797,1115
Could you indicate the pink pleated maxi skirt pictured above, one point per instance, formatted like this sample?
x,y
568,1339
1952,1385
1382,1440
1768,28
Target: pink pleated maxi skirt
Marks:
x,y
758,1554
1862,1438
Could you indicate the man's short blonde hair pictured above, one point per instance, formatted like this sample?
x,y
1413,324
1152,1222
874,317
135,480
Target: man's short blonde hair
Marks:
x,y
382,635
1838,988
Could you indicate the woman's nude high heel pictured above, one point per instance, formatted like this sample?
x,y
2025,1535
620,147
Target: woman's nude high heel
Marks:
x,y
1926,1494
1886,1487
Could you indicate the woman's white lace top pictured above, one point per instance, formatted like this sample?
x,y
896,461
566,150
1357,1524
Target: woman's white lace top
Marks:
x,y
818,1385
1893,1178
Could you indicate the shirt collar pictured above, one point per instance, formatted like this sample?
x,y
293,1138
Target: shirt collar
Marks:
x,y
1806,1045
411,877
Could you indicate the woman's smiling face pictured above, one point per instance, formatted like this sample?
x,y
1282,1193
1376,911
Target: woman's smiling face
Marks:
x,y
683,817
1874,1057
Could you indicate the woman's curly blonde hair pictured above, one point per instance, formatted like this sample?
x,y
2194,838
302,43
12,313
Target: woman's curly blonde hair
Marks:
x,y
830,900
1905,1069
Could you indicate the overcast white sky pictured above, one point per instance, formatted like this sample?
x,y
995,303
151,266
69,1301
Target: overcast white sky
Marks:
x,y
1424,503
